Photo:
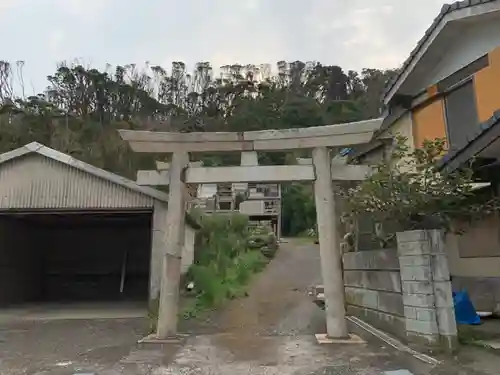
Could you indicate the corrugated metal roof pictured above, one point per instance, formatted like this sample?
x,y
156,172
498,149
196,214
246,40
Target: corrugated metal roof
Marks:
x,y
33,181
445,10
37,148
37,177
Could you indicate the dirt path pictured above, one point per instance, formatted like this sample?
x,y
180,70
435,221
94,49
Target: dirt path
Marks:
x,y
277,302
277,305
272,330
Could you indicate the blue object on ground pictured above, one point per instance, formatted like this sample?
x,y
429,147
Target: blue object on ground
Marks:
x,y
345,151
465,313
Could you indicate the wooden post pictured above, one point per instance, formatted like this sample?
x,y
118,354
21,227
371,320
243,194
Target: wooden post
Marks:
x,y
329,244
174,241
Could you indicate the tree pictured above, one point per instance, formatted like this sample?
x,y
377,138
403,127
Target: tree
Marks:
x,y
409,191
83,107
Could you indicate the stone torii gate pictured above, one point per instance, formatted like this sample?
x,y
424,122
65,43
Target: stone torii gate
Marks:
x,y
320,139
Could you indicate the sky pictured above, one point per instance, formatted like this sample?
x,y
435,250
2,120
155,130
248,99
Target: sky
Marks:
x,y
353,34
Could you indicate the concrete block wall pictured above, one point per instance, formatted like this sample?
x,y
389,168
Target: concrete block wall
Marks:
x,y
373,289
406,291
427,294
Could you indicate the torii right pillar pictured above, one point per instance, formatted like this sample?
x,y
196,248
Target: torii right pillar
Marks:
x,y
329,245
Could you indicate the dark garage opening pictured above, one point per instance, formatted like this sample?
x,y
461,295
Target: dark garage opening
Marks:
x,y
74,257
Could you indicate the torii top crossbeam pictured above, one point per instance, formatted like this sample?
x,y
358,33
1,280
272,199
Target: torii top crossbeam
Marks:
x,y
340,135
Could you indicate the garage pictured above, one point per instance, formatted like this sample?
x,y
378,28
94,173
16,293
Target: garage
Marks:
x,y
71,232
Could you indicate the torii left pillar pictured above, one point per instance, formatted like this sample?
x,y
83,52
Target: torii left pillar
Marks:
x,y
174,241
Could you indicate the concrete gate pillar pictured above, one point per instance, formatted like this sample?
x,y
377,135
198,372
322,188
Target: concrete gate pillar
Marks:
x,y
329,245
158,246
174,241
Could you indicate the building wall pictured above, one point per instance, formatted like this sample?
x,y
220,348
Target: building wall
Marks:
x,y
429,122
254,207
474,260
480,266
404,127
429,113
429,118
487,86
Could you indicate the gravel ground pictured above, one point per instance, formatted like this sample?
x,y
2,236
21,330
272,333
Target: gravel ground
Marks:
x,y
62,346
269,332
272,330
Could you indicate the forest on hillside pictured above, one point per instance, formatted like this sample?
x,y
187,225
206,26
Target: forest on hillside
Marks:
x,y
82,107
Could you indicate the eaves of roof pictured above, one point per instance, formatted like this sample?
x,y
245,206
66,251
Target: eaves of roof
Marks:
x,y
486,133
445,10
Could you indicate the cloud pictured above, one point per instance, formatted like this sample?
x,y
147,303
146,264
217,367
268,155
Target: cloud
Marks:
x,y
55,40
251,4
5,5
362,34
84,10
353,34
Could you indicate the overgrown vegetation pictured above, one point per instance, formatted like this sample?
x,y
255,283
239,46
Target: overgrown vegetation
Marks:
x,y
409,191
82,108
299,209
228,252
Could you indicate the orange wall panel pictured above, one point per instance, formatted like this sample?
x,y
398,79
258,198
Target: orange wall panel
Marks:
x,y
429,122
432,91
487,87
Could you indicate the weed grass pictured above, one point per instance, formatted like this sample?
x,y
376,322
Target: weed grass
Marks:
x,y
227,254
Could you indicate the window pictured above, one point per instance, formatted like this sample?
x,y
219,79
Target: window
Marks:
x,y
226,206
461,113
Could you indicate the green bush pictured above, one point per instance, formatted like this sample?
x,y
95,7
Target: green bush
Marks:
x,y
263,238
410,191
299,209
224,261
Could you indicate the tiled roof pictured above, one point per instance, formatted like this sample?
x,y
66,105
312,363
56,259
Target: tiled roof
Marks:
x,y
446,9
